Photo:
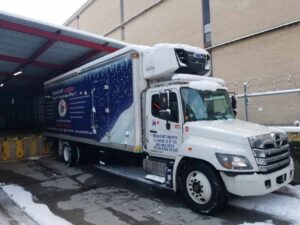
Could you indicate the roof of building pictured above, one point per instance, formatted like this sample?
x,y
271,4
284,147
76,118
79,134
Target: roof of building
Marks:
x,y
43,51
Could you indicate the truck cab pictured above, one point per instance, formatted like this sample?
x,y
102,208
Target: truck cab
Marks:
x,y
191,134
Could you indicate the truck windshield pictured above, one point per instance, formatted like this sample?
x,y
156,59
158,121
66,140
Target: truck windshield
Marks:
x,y
206,105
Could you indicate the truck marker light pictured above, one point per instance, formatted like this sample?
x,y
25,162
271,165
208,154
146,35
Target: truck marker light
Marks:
x,y
190,149
135,55
186,129
177,126
137,148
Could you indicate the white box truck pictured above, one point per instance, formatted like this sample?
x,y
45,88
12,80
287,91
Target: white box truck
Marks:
x,y
160,102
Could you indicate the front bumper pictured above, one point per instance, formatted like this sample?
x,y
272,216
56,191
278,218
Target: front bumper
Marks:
x,y
258,184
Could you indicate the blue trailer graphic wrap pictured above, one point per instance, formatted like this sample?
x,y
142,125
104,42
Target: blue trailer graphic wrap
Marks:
x,y
89,104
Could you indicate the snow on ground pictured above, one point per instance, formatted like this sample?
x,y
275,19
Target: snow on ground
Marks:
x,y
283,205
34,158
39,212
268,222
118,206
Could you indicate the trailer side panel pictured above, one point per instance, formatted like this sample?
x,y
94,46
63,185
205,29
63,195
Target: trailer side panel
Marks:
x,y
95,105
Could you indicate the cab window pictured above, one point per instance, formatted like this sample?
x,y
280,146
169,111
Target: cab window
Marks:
x,y
155,108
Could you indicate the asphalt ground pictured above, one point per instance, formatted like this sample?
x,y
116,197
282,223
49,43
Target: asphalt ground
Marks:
x,y
87,195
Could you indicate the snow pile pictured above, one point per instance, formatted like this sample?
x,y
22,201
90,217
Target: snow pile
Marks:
x,y
268,222
38,212
279,205
33,158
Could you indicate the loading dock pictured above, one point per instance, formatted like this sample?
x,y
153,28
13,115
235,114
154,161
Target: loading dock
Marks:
x,y
32,52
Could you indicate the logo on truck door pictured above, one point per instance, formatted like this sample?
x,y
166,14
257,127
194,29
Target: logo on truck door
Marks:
x,y
62,108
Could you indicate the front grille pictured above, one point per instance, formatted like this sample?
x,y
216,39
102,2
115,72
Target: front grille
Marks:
x,y
272,155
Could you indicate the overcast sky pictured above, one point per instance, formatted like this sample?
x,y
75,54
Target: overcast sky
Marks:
x,y
52,11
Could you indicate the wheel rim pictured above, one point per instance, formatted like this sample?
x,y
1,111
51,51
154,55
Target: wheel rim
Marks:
x,y
67,153
198,187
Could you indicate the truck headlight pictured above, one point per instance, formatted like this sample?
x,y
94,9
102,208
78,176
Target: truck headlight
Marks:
x,y
234,162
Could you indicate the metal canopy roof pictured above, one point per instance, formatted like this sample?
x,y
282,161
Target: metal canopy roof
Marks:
x,y
42,51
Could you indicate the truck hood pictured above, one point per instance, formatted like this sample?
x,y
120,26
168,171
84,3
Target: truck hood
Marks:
x,y
232,130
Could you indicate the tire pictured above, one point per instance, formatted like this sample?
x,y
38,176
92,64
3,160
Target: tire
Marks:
x,y
59,151
60,155
78,155
203,188
69,154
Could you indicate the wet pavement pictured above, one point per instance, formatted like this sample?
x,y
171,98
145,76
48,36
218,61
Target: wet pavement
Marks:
x,y
86,195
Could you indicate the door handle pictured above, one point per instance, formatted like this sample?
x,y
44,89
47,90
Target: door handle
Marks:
x,y
153,131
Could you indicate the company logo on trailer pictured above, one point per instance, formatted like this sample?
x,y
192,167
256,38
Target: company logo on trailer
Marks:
x,y
62,108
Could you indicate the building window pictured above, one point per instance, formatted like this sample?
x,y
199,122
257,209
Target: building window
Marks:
x,y
206,23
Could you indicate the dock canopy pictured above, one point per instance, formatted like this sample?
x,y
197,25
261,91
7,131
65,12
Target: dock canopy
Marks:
x,y
32,52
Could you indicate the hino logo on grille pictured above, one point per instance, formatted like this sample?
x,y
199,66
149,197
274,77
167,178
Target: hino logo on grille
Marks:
x,y
277,139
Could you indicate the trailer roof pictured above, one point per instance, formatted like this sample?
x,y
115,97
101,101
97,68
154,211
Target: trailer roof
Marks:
x,y
43,51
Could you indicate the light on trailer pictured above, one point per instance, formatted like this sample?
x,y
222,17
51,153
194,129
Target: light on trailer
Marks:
x,y
2,84
18,73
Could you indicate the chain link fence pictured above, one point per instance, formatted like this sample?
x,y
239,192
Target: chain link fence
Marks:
x,y
268,100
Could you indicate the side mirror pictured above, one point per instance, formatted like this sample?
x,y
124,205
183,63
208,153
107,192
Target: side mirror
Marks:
x,y
234,104
165,114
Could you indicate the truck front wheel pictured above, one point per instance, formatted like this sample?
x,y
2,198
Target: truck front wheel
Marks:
x,y
203,188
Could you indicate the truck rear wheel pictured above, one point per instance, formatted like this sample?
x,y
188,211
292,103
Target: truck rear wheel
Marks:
x,y
70,154
203,188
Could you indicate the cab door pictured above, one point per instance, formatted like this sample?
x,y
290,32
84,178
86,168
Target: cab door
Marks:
x,y
163,135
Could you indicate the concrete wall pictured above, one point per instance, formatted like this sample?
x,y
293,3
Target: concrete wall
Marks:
x,y
167,21
100,17
134,7
236,18
265,62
